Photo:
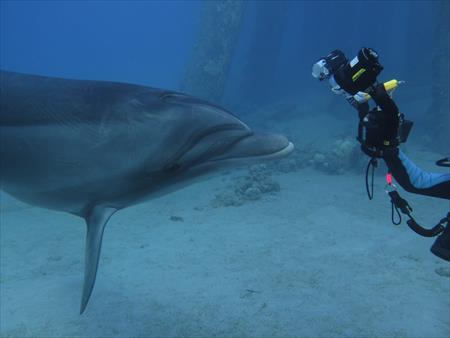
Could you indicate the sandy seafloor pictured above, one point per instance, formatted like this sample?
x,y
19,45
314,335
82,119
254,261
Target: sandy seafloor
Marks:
x,y
316,259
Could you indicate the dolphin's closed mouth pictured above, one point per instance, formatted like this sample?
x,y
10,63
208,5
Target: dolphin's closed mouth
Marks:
x,y
258,146
283,152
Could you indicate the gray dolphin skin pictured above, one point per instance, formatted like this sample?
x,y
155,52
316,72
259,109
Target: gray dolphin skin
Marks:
x,y
91,148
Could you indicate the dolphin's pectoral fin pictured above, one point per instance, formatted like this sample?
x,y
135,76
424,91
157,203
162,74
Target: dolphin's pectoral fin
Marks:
x,y
96,220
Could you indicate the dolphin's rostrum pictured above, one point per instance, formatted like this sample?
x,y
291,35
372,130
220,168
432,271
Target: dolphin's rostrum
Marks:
x,y
91,148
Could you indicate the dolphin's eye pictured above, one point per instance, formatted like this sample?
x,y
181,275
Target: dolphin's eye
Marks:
x,y
172,95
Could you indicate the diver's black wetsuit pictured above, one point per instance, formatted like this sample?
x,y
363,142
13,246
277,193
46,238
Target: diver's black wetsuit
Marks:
x,y
406,173
378,132
415,180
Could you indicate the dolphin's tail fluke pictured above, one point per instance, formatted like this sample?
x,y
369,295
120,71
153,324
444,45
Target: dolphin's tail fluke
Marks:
x,y
96,220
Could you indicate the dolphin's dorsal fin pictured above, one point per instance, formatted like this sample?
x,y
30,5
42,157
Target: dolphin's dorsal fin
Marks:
x,y
96,220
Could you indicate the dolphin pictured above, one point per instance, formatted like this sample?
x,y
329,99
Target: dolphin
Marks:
x,y
91,148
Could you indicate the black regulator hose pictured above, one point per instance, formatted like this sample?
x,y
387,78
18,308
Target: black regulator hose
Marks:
x,y
398,203
371,165
433,232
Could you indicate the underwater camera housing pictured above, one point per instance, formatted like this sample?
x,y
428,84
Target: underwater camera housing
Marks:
x,y
327,66
360,73
335,60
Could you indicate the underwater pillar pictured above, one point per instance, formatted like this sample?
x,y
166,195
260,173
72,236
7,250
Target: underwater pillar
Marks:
x,y
439,112
212,54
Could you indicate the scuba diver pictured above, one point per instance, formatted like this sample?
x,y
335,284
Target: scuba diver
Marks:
x,y
380,132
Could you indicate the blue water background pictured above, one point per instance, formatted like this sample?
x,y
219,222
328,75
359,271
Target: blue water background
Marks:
x,y
150,42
